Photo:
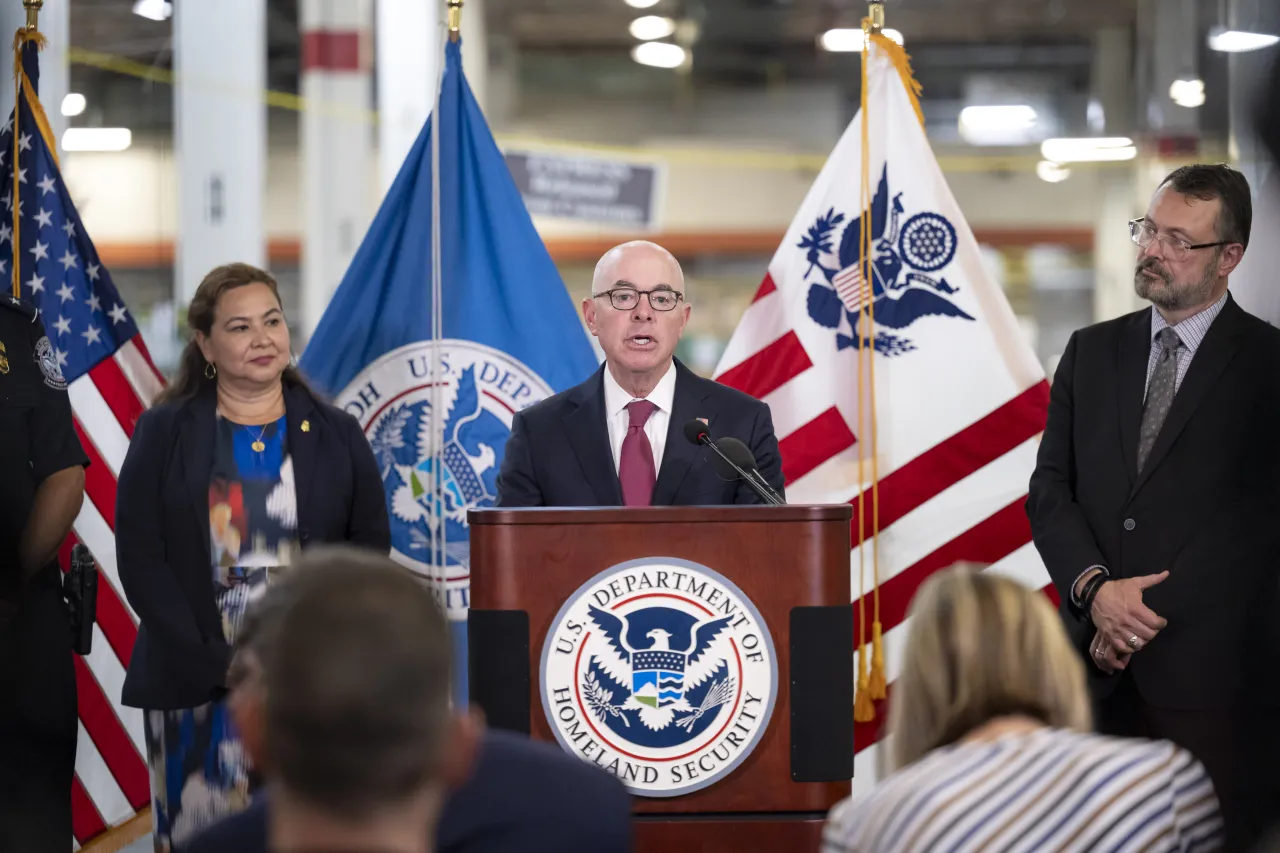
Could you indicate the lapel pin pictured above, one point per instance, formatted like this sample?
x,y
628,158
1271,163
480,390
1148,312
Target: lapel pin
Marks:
x,y
306,426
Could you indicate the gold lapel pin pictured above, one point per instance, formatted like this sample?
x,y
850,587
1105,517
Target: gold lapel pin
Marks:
x,y
306,426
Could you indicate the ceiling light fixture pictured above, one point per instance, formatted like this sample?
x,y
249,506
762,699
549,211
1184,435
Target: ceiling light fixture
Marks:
x,y
1239,41
1054,173
659,54
641,4
1089,149
652,27
1187,92
97,139
155,10
849,39
1002,124
73,104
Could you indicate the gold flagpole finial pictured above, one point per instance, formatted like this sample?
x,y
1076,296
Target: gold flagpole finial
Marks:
x,y
876,14
33,12
455,19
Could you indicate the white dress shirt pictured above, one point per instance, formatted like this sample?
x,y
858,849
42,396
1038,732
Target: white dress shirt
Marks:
x,y
618,418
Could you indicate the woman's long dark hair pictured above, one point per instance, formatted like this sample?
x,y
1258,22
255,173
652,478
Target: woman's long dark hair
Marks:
x,y
191,379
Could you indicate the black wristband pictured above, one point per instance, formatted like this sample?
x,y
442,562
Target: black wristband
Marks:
x,y
1090,592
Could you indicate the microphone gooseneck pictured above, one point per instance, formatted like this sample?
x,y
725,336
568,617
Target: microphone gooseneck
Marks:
x,y
698,433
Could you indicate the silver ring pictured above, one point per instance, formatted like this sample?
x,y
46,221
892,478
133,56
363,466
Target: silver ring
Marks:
x,y
1097,653
1133,641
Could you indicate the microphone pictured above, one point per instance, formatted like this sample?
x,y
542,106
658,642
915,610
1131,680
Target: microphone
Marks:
x,y
741,454
736,458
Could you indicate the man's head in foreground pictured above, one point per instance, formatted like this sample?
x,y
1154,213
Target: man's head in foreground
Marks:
x,y
346,671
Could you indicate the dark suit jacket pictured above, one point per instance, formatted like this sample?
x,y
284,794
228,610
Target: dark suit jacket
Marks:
x,y
1205,507
559,454
522,795
162,532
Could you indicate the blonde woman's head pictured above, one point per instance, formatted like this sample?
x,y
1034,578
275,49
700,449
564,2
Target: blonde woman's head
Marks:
x,y
981,646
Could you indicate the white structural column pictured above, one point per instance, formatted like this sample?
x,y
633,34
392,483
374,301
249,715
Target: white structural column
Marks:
x,y
407,64
1113,252
55,24
410,48
337,142
475,50
220,137
1254,282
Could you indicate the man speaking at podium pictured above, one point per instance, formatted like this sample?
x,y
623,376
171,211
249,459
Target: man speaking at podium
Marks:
x,y
619,438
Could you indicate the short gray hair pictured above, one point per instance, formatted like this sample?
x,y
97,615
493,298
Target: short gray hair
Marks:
x,y
357,683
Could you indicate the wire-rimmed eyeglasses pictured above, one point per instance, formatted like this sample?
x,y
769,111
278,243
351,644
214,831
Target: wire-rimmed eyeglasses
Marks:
x,y
626,298
1175,248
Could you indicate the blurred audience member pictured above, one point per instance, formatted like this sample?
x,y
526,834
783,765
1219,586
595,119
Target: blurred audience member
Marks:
x,y
989,740
521,795
358,734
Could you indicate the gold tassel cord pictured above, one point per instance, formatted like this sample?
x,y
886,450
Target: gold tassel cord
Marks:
x,y
876,680
863,707
873,681
22,85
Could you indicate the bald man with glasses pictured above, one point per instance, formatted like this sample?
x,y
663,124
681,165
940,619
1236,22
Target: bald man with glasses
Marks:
x,y
1155,498
618,438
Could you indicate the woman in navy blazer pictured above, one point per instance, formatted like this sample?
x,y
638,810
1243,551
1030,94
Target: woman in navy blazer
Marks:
x,y
234,469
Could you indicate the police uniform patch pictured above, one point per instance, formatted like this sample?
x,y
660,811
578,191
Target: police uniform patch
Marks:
x,y
48,361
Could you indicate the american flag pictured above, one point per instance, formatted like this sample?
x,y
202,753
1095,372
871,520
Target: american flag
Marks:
x,y
960,397
111,380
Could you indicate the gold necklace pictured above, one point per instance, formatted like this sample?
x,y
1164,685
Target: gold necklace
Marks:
x,y
258,446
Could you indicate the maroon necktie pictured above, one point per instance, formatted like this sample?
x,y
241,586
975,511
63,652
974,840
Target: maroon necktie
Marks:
x,y
635,469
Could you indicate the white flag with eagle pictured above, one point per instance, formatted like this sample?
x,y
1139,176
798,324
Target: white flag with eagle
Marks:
x,y
916,397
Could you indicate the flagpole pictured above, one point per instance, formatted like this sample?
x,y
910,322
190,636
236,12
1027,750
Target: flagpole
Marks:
x,y
876,13
455,20
33,12
33,18
871,685
439,565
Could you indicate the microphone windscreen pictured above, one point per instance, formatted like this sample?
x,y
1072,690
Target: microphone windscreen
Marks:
x,y
738,452
695,430
735,450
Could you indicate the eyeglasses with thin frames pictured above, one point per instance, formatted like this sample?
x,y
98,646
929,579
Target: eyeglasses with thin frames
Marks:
x,y
626,298
1175,248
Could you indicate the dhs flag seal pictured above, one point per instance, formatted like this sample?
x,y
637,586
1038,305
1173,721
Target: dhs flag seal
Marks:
x,y
662,672
478,389
450,318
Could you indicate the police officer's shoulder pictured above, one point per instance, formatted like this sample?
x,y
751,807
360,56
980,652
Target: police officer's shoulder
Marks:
x,y
21,307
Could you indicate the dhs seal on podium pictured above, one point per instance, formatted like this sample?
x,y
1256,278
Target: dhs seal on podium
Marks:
x,y
662,672
478,390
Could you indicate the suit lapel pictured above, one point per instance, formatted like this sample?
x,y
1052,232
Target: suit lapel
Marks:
x,y
678,454
1134,356
588,432
196,436
303,434
1219,346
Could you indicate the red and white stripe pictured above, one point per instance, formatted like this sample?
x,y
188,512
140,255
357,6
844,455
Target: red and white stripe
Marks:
x,y
111,783
958,418
961,499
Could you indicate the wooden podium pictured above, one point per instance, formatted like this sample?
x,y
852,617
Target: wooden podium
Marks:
x,y
533,570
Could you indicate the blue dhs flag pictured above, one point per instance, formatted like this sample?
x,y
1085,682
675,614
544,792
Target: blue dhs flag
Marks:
x,y
435,368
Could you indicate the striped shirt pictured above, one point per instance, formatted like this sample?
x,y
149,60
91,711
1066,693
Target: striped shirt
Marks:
x,y
1045,790
1191,332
